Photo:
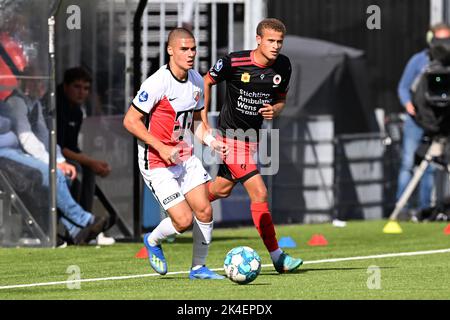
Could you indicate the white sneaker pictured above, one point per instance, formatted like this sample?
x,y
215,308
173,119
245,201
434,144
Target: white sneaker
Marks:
x,y
103,240
339,223
62,245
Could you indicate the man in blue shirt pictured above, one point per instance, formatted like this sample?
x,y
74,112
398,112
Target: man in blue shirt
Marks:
x,y
412,132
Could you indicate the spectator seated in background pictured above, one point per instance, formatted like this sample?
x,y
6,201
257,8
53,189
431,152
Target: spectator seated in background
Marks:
x,y
71,97
26,141
25,181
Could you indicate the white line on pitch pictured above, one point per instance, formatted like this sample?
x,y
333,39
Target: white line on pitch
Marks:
x,y
379,256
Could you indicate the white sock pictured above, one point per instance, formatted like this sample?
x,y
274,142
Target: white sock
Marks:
x,y
201,236
275,255
196,267
164,230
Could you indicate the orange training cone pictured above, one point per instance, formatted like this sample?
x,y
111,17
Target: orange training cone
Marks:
x,y
447,229
317,240
142,254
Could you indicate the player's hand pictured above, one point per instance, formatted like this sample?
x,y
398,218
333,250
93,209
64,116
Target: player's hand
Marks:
x,y
267,111
410,109
68,169
170,155
220,147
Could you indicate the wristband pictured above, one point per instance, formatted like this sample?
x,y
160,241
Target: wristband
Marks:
x,y
208,140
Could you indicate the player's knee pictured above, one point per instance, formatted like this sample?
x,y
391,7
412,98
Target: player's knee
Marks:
x,y
224,193
182,224
204,214
259,195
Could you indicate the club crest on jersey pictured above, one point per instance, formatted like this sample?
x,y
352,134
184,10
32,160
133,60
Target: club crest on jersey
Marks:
x,y
245,77
196,95
218,66
143,96
277,79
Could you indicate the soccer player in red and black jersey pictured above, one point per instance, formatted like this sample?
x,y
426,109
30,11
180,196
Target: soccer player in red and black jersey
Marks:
x,y
257,84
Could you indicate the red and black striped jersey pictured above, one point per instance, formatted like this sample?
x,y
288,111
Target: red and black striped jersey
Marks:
x,y
168,105
249,86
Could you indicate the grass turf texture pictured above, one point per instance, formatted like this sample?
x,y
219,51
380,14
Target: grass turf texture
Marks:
x,y
415,277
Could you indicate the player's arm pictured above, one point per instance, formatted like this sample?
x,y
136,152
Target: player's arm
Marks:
x,y
134,123
207,89
221,71
270,111
203,132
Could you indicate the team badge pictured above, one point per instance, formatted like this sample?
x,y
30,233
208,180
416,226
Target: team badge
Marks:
x,y
218,66
196,95
277,79
245,77
143,96
262,76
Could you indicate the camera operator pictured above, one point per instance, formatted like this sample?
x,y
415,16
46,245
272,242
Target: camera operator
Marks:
x,y
412,132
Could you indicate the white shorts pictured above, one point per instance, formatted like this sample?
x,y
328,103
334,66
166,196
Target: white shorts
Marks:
x,y
169,185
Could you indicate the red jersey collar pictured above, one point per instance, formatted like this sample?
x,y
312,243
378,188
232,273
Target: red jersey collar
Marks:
x,y
252,53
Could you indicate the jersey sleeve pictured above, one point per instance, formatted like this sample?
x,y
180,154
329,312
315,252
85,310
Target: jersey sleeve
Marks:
x,y
151,92
221,70
201,103
283,88
198,84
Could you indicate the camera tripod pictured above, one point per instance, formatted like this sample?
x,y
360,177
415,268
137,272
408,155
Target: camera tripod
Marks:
x,y
436,149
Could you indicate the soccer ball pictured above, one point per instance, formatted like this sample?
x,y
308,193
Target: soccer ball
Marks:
x,y
242,265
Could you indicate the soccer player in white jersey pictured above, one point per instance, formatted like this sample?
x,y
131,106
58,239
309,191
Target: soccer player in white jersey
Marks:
x,y
161,117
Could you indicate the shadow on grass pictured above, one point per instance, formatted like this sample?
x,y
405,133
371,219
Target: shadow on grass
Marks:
x,y
214,281
305,270
253,284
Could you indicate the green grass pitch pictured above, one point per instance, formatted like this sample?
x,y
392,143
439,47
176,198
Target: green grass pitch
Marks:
x,y
400,277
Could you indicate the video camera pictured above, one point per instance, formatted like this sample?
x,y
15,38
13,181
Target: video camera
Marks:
x,y
431,91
